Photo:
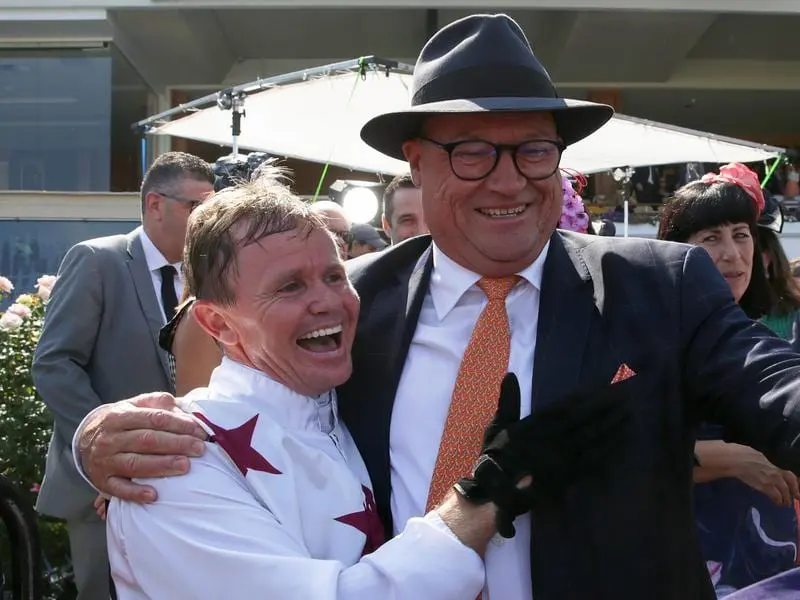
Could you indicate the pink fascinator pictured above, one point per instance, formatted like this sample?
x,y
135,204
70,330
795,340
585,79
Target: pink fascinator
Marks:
x,y
740,175
573,213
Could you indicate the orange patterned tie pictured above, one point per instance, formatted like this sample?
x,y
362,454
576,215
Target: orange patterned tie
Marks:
x,y
476,391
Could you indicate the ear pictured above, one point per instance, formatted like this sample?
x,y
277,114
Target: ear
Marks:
x,y
215,322
387,228
412,150
153,203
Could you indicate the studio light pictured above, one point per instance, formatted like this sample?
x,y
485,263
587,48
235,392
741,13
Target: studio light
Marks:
x,y
360,200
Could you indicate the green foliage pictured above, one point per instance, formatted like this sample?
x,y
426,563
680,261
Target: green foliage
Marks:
x,y
25,422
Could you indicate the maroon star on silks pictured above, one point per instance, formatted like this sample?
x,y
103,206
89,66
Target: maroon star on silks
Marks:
x,y
367,522
237,443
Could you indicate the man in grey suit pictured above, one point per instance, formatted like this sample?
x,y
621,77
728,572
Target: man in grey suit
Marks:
x,y
99,342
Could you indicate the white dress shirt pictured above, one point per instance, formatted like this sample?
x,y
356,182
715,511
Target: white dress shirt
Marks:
x,y
155,260
280,507
449,312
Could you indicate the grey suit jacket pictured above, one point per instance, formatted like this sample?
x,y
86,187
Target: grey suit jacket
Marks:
x,y
99,344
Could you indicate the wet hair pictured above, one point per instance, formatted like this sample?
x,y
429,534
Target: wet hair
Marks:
x,y
234,218
698,206
784,288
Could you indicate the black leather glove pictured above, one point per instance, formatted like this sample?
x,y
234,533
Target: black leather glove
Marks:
x,y
553,446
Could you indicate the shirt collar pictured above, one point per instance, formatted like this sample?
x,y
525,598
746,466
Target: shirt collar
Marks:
x,y
152,255
234,380
450,281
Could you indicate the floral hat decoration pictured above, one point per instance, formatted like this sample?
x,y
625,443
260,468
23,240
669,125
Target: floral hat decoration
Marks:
x,y
573,212
744,177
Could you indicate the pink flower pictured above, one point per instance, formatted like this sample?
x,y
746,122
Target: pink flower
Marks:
x,y
20,310
46,281
35,488
44,293
573,213
9,321
6,287
740,175
45,285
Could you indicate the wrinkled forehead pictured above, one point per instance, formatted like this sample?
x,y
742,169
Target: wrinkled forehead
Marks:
x,y
516,125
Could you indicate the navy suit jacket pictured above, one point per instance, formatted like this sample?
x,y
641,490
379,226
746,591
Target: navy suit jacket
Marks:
x,y
664,310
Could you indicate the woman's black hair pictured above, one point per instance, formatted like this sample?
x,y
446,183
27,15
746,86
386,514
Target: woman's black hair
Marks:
x,y
782,284
698,206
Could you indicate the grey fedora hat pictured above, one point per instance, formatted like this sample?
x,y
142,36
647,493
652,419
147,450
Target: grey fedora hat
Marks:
x,y
481,63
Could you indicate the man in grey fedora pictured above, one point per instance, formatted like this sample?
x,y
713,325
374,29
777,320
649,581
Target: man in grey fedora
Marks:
x,y
652,323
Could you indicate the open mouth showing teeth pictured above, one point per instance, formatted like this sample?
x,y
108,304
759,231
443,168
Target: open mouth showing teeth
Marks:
x,y
322,340
503,212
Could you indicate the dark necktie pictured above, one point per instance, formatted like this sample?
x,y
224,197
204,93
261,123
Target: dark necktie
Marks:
x,y
169,300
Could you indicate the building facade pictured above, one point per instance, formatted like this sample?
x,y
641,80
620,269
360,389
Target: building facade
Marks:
x,y
76,74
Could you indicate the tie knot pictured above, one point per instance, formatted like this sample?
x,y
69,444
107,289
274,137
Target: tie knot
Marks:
x,y
167,271
498,288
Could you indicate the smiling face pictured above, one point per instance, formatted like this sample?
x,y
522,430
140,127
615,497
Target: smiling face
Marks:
x,y
497,225
731,249
407,218
294,313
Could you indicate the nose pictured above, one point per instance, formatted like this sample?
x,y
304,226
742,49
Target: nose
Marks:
x,y
729,251
324,299
506,178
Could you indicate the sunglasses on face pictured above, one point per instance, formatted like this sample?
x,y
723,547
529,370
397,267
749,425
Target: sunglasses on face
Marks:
x,y
191,203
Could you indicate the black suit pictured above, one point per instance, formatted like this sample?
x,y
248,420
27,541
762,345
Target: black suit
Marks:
x,y
662,309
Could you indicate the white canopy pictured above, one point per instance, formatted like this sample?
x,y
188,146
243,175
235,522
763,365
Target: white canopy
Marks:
x,y
319,120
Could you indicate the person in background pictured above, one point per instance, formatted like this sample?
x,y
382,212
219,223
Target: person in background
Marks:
x,y
337,222
784,288
98,343
744,505
364,238
402,210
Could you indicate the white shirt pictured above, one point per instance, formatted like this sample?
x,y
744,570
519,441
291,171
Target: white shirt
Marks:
x,y
155,260
279,506
449,313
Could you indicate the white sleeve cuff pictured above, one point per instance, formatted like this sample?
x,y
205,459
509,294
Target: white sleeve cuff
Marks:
x,y
427,557
76,457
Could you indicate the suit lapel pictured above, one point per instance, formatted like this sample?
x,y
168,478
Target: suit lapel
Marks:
x,y
567,313
388,320
143,283
416,288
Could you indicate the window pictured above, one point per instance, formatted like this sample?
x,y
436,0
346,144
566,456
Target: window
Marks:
x,y
55,115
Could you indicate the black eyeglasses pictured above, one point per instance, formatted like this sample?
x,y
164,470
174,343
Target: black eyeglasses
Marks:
x,y
472,160
192,204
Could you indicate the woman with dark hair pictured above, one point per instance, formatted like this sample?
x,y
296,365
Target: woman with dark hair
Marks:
x,y
784,288
744,505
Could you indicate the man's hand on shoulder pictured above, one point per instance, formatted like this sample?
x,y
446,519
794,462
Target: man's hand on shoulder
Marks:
x,y
145,436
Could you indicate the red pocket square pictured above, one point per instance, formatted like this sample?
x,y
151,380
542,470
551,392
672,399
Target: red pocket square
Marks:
x,y
624,372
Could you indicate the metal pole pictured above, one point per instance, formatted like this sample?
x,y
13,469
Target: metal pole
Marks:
x,y
261,84
625,213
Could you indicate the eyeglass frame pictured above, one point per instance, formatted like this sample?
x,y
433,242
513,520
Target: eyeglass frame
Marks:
x,y
499,150
193,204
